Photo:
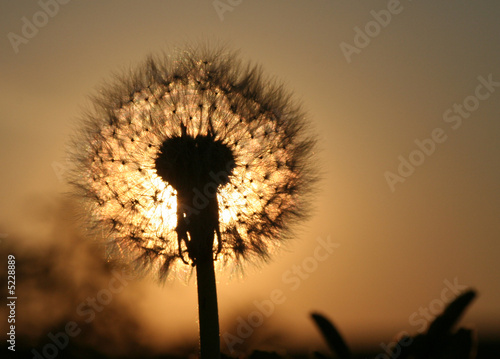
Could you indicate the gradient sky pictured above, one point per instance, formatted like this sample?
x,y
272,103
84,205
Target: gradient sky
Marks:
x,y
397,245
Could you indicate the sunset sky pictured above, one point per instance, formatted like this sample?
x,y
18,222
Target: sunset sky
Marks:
x,y
404,97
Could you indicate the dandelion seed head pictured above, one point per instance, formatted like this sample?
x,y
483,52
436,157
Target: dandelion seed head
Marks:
x,y
203,128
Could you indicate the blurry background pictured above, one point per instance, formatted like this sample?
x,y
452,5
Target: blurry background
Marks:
x,y
370,97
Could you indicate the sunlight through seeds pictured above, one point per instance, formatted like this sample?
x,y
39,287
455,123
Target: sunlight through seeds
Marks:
x,y
233,137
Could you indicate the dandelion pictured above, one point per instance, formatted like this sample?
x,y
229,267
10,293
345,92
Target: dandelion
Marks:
x,y
191,160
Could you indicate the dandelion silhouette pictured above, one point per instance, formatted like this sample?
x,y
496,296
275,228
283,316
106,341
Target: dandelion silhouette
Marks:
x,y
191,160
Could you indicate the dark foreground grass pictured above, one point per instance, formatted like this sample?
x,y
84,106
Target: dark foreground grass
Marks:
x,y
441,341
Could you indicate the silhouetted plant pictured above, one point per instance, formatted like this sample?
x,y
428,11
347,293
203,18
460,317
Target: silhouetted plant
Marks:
x,y
193,159
439,342
331,336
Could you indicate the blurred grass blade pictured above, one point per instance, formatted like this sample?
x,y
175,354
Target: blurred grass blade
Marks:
x,y
332,336
442,325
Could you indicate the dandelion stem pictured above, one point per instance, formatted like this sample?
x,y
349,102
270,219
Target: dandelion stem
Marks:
x,y
208,312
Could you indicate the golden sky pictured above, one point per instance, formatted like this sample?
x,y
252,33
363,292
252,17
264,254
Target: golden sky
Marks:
x,y
404,96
